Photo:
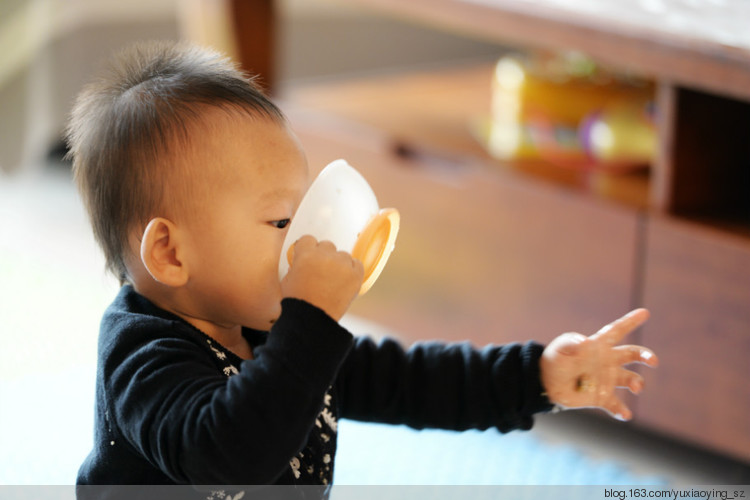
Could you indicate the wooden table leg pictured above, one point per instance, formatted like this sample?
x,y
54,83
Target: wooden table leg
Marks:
x,y
255,29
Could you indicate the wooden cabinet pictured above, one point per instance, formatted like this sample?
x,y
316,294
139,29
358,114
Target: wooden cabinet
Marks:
x,y
697,285
498,252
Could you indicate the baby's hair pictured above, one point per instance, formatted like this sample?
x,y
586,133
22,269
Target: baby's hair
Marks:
x,y
126,124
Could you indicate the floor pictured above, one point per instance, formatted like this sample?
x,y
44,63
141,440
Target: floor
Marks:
x,y
52,291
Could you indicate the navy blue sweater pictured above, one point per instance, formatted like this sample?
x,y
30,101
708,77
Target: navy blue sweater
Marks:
x,y
175,407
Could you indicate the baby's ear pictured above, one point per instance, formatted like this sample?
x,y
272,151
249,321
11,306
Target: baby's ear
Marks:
x,y
161,252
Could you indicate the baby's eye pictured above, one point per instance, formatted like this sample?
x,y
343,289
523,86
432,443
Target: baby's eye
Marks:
x,y
281,224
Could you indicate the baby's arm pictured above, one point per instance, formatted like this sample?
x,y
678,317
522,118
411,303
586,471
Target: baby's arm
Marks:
x,y
170,405
579,371
449,386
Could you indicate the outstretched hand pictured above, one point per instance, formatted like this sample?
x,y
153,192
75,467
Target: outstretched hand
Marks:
x,y
580,372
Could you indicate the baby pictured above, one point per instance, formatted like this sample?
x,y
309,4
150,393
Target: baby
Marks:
x,y
213,371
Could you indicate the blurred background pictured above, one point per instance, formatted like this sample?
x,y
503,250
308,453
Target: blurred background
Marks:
x,y
51,48
530,178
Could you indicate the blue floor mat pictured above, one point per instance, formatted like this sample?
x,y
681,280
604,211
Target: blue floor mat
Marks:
x,y
373,454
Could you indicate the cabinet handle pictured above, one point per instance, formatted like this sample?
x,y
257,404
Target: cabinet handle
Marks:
x,y
442,165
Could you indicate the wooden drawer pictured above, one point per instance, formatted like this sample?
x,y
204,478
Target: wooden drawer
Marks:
x,y
697,285
484,254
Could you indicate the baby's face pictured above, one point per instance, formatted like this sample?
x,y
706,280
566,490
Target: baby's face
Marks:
x,y
258,175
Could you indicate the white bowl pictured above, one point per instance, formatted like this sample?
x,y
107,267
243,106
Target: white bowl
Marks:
x,y
341,207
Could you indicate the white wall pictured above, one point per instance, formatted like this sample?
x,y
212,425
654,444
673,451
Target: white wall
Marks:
x,y
48,49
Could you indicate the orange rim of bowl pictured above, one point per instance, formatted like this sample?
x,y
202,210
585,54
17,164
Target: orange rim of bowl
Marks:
x,y
375,244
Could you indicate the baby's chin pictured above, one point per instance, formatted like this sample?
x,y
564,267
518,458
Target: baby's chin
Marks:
x,y
260,325
267,321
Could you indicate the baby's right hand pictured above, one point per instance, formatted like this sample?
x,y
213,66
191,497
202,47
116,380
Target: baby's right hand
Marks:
x,y
324,277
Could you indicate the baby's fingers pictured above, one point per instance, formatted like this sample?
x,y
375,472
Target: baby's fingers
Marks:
x,y
629,380
617,409
614,332
627,354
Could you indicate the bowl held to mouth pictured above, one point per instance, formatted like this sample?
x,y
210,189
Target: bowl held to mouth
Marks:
x,y
341,207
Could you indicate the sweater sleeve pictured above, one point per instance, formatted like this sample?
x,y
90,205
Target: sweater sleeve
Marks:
x,y
453,386
200,427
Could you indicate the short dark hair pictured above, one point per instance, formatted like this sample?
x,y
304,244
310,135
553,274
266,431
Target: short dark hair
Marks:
x,y
128,120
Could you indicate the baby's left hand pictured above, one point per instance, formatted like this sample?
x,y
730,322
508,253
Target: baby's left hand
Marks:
x,y
579,371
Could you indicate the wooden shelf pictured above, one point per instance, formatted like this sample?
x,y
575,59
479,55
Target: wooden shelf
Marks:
x,y
435,115
698,53
703,170
696,45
